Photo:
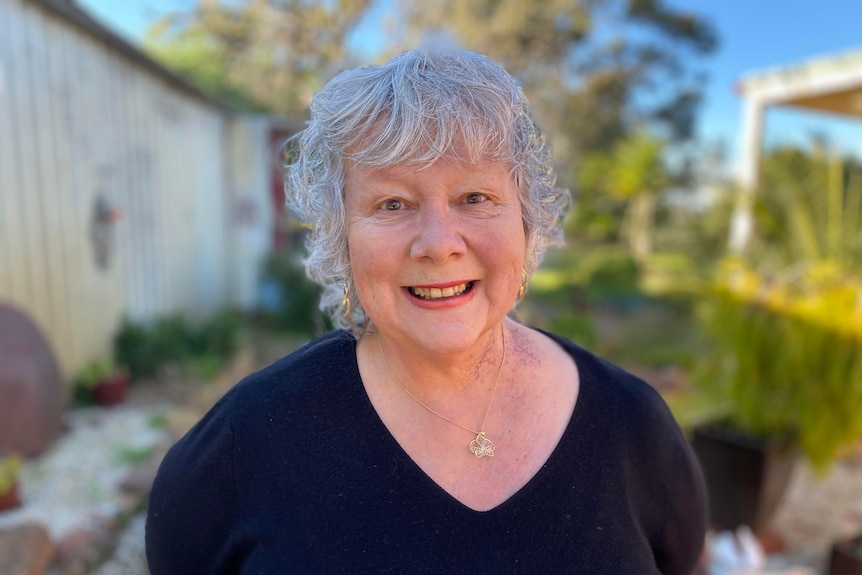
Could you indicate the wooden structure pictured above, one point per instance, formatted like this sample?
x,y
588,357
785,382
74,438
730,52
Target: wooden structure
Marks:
x,y
124,191
832,85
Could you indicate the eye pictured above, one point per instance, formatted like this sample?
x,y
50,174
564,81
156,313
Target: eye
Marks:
x,y
474,198
392,205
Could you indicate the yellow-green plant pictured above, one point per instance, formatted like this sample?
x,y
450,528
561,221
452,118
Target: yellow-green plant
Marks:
x,y
787,353
9,468
95,372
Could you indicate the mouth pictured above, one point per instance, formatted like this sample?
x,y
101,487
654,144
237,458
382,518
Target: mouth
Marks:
x,y
440,293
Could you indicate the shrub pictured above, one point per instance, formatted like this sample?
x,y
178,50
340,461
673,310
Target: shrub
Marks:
x,y
200,348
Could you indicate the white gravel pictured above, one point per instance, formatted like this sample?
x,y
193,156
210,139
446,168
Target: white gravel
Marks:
x,y
128,558
75,484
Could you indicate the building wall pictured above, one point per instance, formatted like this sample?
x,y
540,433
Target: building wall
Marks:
x,y
79,124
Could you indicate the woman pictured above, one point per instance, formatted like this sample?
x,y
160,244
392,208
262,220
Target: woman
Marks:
x,y
433,434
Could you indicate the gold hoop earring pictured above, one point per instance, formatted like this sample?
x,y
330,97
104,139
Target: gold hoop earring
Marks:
x,y
522,289
345,303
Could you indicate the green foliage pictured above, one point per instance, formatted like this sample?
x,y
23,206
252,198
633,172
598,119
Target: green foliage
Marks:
x,y
133,455
158,420
295,309
809,208
10,465
601,271
94,373
579,327
787,353
624,185
786,323
200,348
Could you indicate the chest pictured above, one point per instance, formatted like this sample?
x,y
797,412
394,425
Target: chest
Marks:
x,y
389,517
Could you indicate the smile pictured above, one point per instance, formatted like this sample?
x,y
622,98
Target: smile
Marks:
x,y
440,293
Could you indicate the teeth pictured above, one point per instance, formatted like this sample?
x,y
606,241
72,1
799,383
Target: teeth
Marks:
x,y
437,293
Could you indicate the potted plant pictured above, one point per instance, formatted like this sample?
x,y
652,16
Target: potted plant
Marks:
x,y
846,557
9,467
103,383
787,366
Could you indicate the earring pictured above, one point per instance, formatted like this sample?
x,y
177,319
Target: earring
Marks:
x,y
345,303
522,289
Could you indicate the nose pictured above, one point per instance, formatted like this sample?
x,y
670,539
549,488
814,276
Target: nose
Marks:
x,y
438,236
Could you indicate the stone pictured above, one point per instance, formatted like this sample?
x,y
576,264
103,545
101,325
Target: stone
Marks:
x,y
30,385
81,548
139,478
25,549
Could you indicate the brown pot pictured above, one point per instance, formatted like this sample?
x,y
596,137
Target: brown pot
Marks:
x,y
746,477
10,499
111,391
846,557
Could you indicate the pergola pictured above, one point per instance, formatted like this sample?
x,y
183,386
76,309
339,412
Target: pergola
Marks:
x,y
831,84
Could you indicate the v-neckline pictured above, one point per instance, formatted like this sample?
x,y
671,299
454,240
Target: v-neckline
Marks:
x,y
394,447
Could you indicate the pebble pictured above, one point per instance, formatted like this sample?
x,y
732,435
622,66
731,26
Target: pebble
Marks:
x,y
75,486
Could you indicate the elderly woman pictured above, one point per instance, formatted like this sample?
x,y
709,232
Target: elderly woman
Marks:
x,y
432,433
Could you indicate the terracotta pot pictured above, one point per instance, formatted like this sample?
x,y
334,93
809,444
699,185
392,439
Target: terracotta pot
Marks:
x,y
10,499
846,557
111,391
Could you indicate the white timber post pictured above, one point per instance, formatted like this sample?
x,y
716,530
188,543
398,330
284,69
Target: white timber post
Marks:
x,y
742,224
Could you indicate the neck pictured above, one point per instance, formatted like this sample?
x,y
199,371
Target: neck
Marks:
x,y
431,376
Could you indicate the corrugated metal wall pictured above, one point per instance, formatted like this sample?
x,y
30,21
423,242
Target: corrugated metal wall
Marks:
x,y
80,122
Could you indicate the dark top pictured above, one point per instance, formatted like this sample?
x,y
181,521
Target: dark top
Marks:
x,y
292,471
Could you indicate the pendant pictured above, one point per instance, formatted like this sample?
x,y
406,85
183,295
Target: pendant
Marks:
x,y
482,446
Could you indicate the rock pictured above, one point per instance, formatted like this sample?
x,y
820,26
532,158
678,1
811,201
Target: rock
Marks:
x,y
139,479
25,549
30,385
81,548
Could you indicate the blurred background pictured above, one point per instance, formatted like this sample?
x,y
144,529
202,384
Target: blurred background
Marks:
x,y
714,151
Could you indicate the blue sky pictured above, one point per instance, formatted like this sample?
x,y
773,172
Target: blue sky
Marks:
x,y
755,35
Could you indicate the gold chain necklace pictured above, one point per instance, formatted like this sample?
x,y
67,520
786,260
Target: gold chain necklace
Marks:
x,y
481,446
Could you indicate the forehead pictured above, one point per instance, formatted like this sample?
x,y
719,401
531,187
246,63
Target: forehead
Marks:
x,y
443,171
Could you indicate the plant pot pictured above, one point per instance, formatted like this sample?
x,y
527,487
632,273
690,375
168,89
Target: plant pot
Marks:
x,y
746,477
112,390
10,499
846,557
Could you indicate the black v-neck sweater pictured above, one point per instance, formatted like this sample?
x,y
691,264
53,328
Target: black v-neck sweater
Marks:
x,y
294,472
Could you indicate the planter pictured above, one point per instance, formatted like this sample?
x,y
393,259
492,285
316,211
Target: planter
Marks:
x,y
111,390
10,499
746,477
846,557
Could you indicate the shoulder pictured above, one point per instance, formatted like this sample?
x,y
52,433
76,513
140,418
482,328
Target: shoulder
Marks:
x,y
611,388
306,370
266,401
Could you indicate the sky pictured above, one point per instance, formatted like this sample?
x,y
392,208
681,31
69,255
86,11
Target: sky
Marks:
x,y
755,35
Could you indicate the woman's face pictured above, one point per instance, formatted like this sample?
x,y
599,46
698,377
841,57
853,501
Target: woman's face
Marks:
x,y
436,253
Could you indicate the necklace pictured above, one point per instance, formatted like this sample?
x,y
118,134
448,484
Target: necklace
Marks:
x,y
481,446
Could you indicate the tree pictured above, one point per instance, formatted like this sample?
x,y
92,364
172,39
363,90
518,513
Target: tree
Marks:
x,y
595,68
639,176
258,54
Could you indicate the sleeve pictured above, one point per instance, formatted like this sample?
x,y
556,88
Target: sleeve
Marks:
x,y
192,504
677,510
681,541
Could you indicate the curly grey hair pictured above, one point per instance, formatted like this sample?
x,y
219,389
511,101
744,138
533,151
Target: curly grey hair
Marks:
x,y
416,108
